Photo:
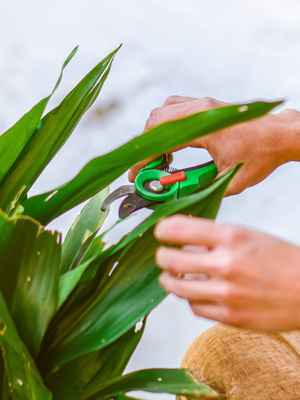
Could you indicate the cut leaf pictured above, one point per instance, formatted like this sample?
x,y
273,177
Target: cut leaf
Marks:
x,y
55,129
24,380
132,290
99,173
83,231
172,381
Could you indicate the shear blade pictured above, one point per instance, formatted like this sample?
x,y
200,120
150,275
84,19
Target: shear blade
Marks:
x,y
132,203
117,194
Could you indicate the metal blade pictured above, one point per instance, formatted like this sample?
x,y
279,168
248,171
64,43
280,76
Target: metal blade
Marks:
x,y
132,203
117,194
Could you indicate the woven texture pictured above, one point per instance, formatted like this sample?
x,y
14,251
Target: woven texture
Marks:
x,y
245,365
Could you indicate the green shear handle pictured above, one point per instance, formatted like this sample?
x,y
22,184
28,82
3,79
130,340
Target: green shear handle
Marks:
x,y
157,185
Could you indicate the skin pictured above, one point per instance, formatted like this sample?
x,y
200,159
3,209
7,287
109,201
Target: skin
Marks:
x,y
229,273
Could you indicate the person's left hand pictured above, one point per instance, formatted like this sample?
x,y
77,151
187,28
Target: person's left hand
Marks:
x,y
231,274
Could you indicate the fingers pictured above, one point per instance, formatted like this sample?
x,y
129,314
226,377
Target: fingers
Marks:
x,y
175,108
215,312
181,262
132,173
180,110
194,290
238,184
183,230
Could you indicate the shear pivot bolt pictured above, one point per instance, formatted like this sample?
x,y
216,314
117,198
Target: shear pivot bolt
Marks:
x,y
156,186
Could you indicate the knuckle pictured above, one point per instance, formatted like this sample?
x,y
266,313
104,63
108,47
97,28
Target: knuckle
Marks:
x,y
290,113
236,235
240,319
231,316
226,267
196,312
176,222
174,266
227,270
154,114
209,101
226,294
171,100
233,191
235,296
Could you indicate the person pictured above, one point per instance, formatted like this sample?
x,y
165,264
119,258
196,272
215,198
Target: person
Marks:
x,y
249,281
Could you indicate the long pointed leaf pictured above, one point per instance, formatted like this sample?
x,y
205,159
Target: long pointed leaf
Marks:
x,y
124,397
14,141
24,381
99,172
83,230
69,280
55,129
172,381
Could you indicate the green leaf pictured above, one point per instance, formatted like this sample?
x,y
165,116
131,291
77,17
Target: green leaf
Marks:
x,y
55,129
99,173
92,369
132,289
36,295
124,397
83,231
69,280
172,381
29,275
24,380
13,141
9,265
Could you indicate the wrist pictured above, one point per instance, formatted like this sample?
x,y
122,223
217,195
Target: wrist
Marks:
x,y
288,135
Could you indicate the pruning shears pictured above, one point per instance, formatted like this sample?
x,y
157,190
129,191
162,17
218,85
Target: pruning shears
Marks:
x,y
158,183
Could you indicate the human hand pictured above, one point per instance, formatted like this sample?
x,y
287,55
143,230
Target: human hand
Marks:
x,y
261,145
231,274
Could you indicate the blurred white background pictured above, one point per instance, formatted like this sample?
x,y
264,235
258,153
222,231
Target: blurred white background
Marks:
x,y
233,50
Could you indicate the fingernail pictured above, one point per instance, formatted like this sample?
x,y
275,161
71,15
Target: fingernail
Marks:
x,y
130,176
161,229
163,257
163,279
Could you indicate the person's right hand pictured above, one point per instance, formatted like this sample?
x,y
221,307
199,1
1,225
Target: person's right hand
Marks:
x,y
261,145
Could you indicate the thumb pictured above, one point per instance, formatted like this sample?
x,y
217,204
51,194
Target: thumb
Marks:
x,y
237,185
132,173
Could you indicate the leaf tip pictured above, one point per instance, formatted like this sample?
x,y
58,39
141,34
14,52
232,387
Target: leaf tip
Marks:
x,y
117,49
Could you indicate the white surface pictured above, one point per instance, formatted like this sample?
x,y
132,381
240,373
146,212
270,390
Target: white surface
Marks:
x,y
233,50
